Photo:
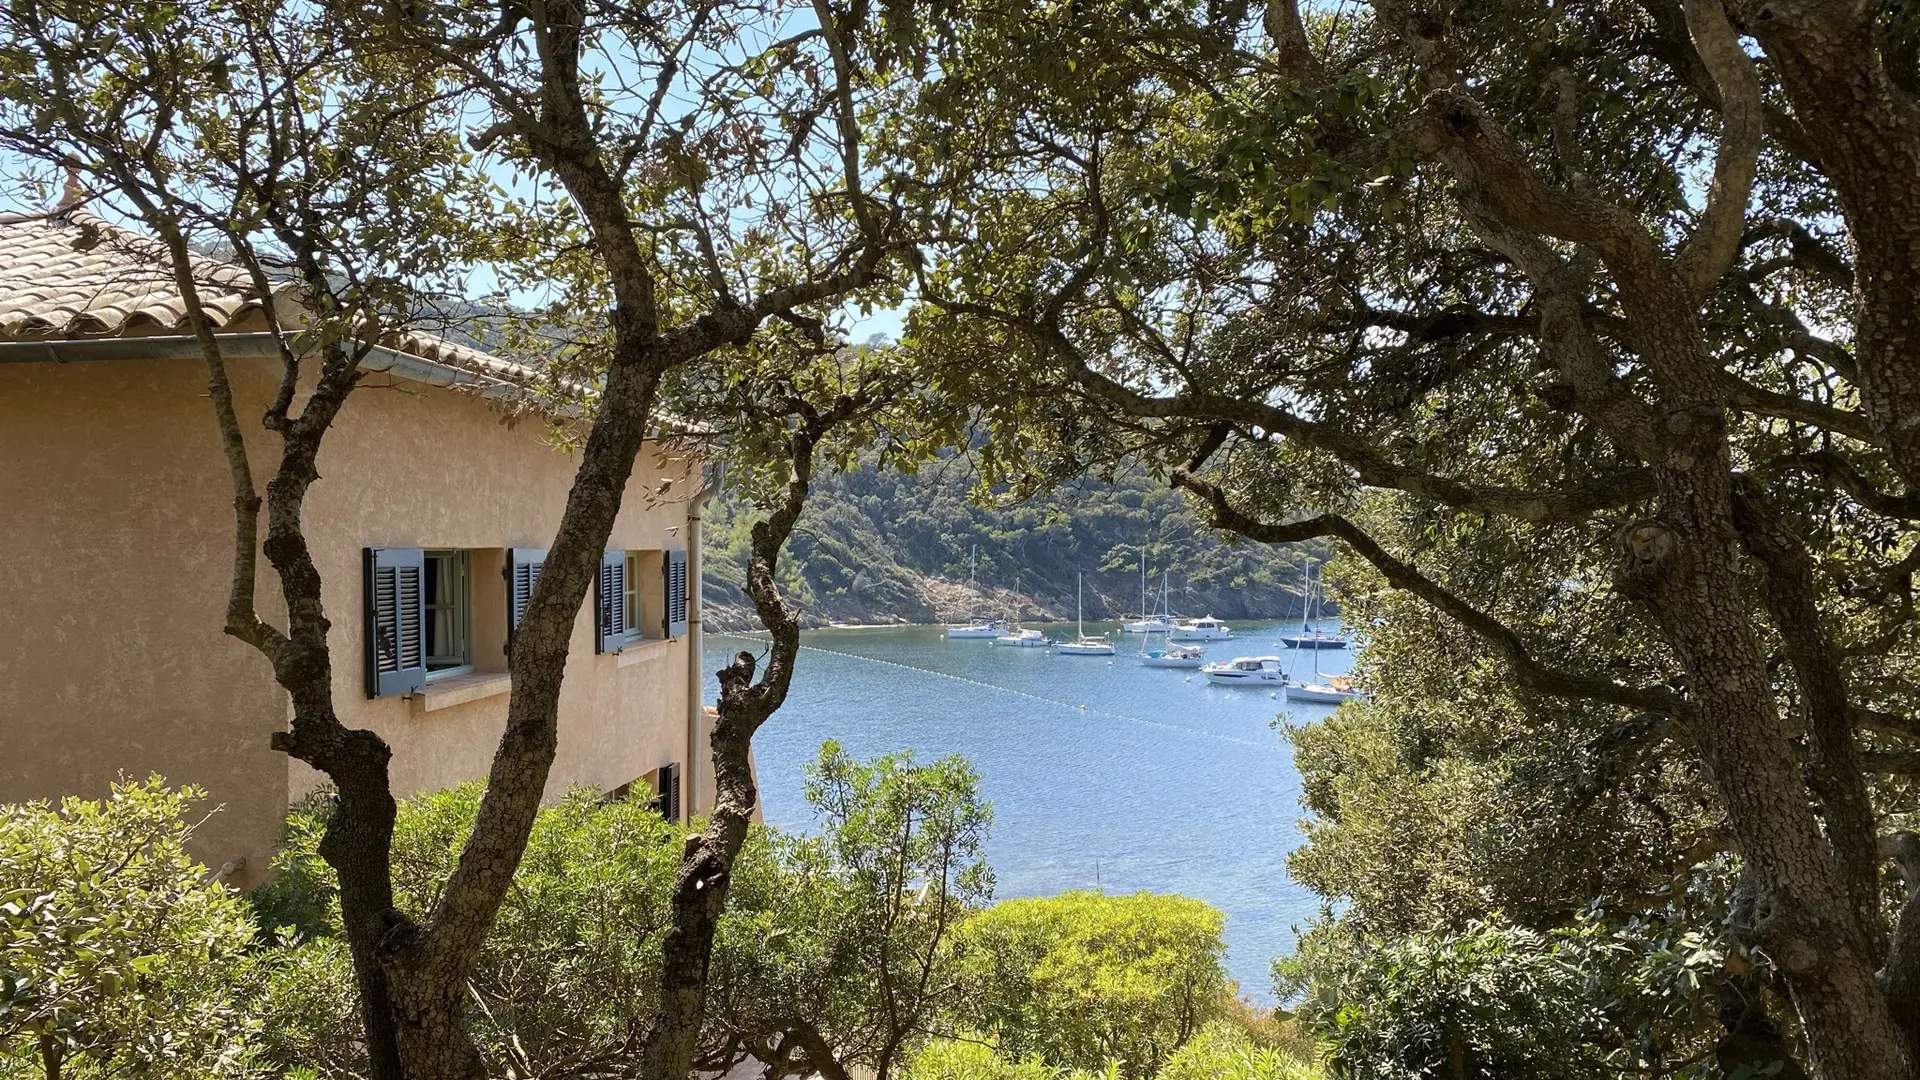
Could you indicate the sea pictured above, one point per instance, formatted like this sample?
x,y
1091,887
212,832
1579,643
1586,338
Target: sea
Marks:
x,y
1102,774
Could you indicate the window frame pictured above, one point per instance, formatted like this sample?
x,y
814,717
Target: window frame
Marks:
x,y
630,600
462,607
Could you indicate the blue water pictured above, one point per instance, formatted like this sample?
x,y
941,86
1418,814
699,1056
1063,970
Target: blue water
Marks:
x,y
1102,773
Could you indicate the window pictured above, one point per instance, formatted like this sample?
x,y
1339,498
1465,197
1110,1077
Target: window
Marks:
x,y
632,598
449,611
632,606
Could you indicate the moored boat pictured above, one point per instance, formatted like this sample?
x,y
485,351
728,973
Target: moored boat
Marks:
x,y
1082,645
1023,639
1173,656
1246,671
1332,691
976,627
1207,629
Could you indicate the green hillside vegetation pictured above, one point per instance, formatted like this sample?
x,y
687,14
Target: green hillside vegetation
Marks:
x,y
880,546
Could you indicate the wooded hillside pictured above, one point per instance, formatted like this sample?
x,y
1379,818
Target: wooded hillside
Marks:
x,y
882,547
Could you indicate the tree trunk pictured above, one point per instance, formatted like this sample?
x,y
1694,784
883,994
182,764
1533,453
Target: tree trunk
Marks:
x,y
1866,130
1683,567
700,890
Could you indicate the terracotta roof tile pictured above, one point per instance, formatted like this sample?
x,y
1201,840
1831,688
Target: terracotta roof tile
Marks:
x,y
73,275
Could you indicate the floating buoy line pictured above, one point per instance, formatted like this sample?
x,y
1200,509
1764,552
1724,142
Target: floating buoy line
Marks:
x,y
761,637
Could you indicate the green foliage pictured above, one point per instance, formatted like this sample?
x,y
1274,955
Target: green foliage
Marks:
x,y
122,956
1223,1052
1219,1051
1083,979
1493,1000
819,930
848,933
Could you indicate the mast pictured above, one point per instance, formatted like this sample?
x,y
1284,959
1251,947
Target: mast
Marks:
x,y
1079,613
1144,613
973,585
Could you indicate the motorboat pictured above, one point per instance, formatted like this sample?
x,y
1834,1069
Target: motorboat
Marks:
x,y
1173,656
1207,629
1151,623
1246,671
1023,639
1082,645
1331,691
976,627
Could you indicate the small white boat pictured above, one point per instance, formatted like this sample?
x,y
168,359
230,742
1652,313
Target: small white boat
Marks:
x,y
1246,671
1083,645
1207,629
1333,691
1023,639
1173,656
1151,623
974,627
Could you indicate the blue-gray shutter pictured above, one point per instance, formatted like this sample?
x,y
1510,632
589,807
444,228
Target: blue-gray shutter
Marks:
x,y
674,566
610,603
396,616
668,795
523,572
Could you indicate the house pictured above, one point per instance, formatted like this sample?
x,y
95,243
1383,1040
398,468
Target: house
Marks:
x,y
427,526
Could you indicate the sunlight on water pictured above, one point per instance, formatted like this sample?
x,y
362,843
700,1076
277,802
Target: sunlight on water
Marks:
x,y
1102,773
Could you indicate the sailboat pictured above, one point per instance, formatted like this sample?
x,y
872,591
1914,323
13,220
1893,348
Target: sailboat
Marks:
x,y
1310,635
1174,656
1083,645
1324,689
1150,623
974,627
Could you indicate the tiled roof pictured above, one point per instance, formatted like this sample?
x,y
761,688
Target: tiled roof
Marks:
x,y
76,276
73,275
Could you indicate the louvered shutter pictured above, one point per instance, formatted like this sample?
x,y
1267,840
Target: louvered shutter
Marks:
x,y
610,603
396,616
668,801
523,572
675,568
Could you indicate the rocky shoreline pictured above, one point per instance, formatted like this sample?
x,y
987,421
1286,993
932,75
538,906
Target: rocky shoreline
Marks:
x,y
918,600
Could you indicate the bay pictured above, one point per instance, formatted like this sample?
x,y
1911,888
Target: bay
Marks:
x,y
1103,774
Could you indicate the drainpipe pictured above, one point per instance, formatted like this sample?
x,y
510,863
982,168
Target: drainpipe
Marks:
x,y
696,647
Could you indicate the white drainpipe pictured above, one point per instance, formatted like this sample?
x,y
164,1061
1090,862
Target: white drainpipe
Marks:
x,y
696,677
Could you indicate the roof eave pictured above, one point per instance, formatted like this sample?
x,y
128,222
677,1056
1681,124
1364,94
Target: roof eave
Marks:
x,y
379,358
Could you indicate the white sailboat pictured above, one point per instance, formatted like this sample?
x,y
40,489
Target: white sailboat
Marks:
x,y
1023,639
1151,623
1324,689
1310,635
1083,645
1174,656
975,627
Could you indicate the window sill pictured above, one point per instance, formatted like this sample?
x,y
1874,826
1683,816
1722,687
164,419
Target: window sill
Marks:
x,y
454,690
641,650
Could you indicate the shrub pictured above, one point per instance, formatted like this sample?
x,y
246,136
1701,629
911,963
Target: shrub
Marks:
x,y
123,957
1083,979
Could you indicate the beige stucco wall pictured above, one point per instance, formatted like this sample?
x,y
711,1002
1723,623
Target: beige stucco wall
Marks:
x,y
115,521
